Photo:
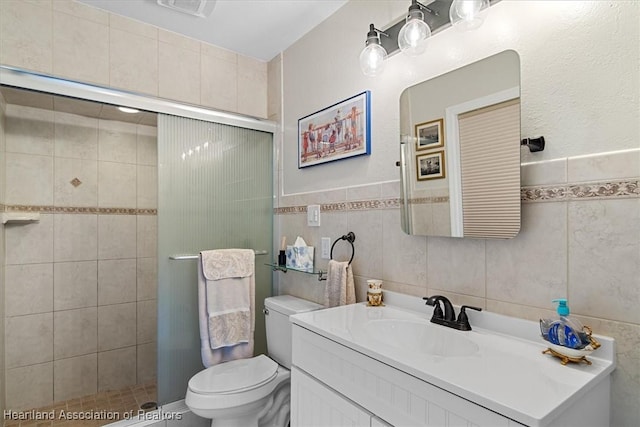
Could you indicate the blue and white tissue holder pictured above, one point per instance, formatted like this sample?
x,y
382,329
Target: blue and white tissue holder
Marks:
x,y
299,255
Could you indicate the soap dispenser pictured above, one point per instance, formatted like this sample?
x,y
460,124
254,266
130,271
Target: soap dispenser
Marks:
x,y
565,330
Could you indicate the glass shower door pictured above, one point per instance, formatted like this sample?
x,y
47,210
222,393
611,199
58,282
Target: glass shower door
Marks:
x,y
214,191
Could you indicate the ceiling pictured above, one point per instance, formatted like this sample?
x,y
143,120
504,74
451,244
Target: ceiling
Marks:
x,y
257,28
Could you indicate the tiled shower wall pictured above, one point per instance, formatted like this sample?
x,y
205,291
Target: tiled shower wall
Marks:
x,y
81,281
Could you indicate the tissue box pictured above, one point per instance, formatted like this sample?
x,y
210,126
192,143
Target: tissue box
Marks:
x,y
300,257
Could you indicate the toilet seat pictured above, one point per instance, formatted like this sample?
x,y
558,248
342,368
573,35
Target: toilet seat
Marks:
x,y
233,377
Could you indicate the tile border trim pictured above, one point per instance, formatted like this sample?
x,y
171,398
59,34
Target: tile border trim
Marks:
x,y
622,189
76,210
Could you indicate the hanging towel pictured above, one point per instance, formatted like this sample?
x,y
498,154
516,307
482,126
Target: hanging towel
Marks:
x,y
226,293
339,288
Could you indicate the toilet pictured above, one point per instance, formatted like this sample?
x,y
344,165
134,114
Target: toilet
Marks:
x,y
255,391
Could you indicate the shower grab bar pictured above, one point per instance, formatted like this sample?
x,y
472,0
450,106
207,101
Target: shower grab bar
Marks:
x,y
181,257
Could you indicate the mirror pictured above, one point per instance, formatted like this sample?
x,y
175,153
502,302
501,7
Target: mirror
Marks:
x,y
460,151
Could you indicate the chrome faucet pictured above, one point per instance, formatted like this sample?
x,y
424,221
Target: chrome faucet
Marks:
x,y
449,317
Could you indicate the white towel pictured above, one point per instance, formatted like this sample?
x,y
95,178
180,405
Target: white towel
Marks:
x,y
339,288
226,293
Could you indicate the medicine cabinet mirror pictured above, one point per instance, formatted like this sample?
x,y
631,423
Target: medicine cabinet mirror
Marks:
x,y
460,151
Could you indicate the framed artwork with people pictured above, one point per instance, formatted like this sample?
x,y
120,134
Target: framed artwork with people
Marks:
x,y
337,132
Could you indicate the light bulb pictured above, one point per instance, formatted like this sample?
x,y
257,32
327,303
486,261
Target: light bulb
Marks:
x,y
372,59
414,34
468,15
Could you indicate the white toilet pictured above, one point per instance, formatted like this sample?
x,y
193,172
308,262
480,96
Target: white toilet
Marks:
x,y
256,391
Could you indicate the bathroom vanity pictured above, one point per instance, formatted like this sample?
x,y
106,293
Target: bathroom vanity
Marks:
x,y
377,366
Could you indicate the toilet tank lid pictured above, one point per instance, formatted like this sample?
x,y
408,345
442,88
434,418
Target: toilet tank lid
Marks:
x,y
288,305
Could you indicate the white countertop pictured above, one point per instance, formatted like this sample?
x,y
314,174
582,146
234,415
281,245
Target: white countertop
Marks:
x,y
507,373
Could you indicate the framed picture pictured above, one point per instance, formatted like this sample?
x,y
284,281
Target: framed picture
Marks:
x,y
430,135
430,165
336,132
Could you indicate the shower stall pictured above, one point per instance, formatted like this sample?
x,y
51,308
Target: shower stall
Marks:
x,y
99,209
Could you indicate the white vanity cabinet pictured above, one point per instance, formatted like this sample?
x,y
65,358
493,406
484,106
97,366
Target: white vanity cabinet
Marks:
x,y
388,366
325,371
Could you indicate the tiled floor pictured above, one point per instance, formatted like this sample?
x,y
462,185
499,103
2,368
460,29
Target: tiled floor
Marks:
x,y
108,406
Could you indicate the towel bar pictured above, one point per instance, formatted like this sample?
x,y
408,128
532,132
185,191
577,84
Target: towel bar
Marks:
x,y
181,257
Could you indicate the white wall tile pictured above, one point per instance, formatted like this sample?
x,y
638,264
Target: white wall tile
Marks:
x,y
80,49
116,185
147,146
29,130
370,245
605,166
29,179
30,243
252,87
604,259
147,323
116,236
531,268
75,285
147,194
219,83
457,265
147,278
147,236
76,332
116,326
116,281
76,136
179,76
405,257
178,40
133,62
117,141
29,339
26,36
65,192
75,237
29,289
274,88
116,369
147,362
217,52
75,377
544,173
30,386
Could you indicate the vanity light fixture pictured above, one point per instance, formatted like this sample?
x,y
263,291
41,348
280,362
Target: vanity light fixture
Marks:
x,y
468,15
373,55
415,33
411,35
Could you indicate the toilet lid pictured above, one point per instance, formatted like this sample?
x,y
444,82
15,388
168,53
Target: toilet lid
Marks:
x,y
234,376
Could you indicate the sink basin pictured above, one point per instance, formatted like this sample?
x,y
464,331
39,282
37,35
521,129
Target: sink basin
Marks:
x,y
420,337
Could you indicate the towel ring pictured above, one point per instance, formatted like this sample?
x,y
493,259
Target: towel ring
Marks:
x,y
349,237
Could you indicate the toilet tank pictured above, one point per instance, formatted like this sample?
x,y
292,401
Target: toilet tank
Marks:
x,y
277,312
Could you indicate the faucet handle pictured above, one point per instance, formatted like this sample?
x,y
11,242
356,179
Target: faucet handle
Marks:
x,y
463,320
437,310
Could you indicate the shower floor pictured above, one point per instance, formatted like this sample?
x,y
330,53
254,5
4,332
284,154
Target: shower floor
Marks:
x,y
110,406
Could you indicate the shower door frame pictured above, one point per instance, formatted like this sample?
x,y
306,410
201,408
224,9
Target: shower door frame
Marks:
x,y
24,79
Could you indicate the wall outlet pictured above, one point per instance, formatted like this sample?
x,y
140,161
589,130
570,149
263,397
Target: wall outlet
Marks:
x,y
313,215
326,248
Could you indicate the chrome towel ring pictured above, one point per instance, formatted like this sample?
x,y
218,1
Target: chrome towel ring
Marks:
x,y
349,237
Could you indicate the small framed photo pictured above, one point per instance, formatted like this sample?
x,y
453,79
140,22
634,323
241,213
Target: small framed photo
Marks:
x,y
430,135
430,165
336,132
